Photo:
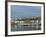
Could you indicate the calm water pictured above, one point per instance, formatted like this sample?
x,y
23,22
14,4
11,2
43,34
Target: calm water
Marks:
x,y
25,28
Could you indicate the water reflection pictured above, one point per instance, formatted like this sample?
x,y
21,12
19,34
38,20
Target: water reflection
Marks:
x,y
25,27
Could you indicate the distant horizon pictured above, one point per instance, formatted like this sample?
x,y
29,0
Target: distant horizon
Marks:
x,y
25,11
24,17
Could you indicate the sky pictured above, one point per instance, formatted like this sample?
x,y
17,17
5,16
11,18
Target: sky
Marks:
x,y
25,11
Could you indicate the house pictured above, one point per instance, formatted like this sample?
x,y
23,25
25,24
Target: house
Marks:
x,y
28,21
